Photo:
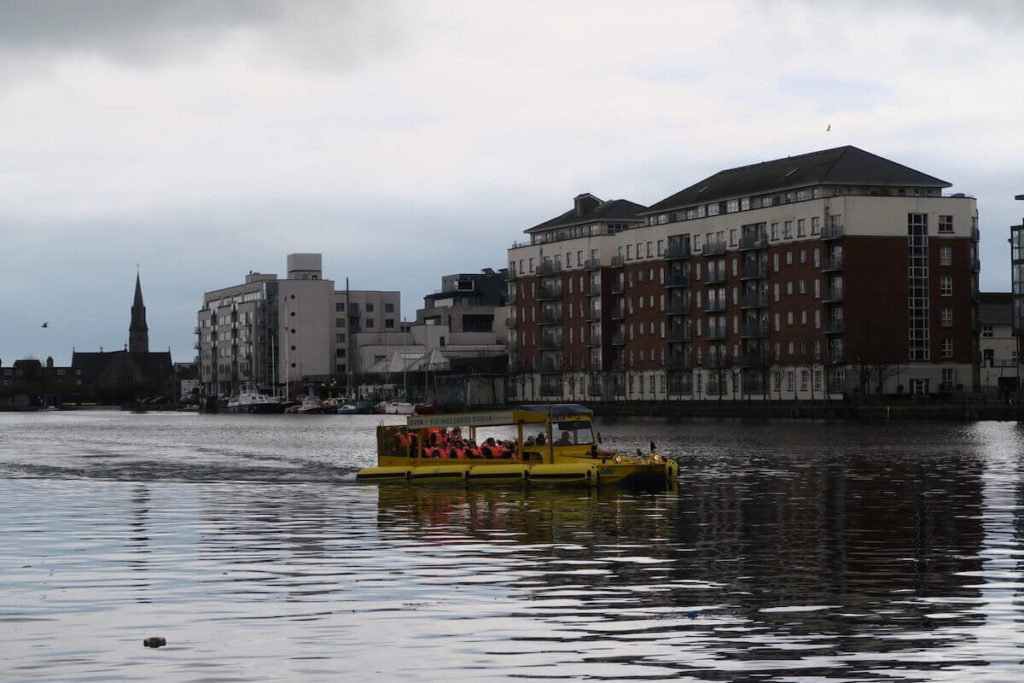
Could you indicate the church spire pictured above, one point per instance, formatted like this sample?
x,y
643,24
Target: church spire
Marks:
x,y
138,332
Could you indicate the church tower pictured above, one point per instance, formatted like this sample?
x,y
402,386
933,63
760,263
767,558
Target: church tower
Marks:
x,y
138,333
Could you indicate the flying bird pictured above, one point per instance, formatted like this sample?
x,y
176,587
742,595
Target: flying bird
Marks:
x,y
46,324
828,128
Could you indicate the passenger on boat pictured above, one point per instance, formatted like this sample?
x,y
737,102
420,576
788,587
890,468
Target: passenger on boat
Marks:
x,y
530,441
403,441
564,439
540,441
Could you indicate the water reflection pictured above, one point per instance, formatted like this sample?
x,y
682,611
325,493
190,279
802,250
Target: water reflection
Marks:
x,y
788,552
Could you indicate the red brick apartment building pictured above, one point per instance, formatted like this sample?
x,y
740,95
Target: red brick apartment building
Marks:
x,y
829,273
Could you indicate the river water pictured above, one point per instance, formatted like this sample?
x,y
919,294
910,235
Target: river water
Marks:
x,y
790,551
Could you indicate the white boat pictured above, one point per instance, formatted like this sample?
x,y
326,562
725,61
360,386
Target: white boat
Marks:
x,y
249,400
395,408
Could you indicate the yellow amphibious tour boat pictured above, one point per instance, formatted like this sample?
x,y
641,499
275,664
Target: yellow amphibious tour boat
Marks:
x,y
534,444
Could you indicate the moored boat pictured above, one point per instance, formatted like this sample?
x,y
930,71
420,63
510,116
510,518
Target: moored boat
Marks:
x,y
533,444
395,408
310,405
251,401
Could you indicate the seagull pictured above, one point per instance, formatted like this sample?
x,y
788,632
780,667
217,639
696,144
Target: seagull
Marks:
x,y
46,324
828,128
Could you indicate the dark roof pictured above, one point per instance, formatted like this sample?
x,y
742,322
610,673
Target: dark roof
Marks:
x,y
153,365
611,210
839,166
996,307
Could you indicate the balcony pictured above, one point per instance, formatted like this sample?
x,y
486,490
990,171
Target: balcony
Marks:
x,y
714,277
592,289
748,242
592,264
835,356
618,287
593,340
594,314
714,247
618,339
755,300
754,271
754,329
715,334
832,263
510,323
832,294
680,384
678,308
547,293
834,327
550,317
678,280
549,268
618,261
550,341
678,361
754,359
619,312
550,366
832,232
678,252
716,306
680,334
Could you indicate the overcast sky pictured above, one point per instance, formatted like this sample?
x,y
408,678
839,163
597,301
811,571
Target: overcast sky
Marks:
x,y
409,140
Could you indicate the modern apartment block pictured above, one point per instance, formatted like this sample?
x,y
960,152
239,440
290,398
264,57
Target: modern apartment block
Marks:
x,y
829,273
274,332
459,325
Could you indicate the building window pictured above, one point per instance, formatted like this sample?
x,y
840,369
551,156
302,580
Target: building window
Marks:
x,y
945,256
946,285
389,323
369,307
987,331
340,308
369,323
801,227
732,206
917,285
945,224
947,348
947,317
815,225
389,308
775,231
787,230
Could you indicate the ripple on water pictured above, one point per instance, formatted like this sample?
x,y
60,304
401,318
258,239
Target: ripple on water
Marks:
x,y
790,551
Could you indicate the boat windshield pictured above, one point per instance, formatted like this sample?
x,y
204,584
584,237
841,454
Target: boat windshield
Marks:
x,y
572,433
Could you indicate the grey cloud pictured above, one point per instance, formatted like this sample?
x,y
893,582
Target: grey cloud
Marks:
x,y
141,32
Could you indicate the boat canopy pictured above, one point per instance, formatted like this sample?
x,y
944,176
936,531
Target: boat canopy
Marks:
x,y
527,414
557,409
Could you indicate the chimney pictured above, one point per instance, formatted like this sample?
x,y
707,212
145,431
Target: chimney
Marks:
x,y
584,204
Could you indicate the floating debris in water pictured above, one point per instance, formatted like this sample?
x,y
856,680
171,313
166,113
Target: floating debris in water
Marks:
x,y
154,641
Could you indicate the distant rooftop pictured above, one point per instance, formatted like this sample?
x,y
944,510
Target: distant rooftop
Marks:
x,y
847,165
589,209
